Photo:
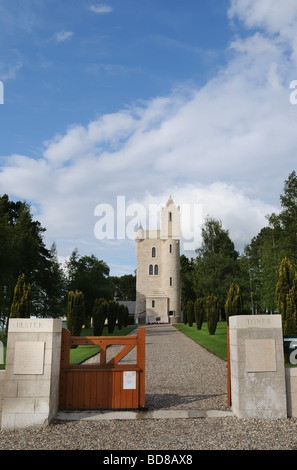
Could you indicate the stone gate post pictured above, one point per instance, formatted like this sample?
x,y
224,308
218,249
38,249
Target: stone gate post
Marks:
x,y
258,388
31,385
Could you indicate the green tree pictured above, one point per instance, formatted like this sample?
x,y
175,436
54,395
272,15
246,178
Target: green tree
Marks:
x,y
285,223
22,250
124,287
270,256
199,312
91,276
251,277
121,315
291,313
112,315
233,305
52,299
21,305
75,312
216,264
99,316
126,316
212,313
190,312
185,315
287,218
286,295
186,280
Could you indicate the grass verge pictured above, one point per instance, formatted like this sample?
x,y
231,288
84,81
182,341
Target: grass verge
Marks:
x,y
217,343
81,353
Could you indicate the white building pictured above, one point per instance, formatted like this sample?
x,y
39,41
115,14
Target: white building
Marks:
x,y
158,269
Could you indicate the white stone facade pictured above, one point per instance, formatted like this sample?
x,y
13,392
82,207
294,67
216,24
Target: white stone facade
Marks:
x,y
30,392
258,379
158,269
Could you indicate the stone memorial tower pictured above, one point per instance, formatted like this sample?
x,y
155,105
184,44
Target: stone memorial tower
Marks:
x,y
158,269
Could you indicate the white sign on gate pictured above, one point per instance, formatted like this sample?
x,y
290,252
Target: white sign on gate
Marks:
x,y
129,380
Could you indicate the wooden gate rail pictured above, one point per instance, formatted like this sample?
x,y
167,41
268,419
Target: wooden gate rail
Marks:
x,y
100,386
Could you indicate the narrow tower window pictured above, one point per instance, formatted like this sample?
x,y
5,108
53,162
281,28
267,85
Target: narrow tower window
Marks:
x,y
170,248
151,270
153,304
170,281
153,252
156,269
170,216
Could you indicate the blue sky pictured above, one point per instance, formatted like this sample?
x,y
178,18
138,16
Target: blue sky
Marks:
x,y
66,62
143,99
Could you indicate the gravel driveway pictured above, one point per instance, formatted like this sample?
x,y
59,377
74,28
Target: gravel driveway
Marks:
x,y
180,375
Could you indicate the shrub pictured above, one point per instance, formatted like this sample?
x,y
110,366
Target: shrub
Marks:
x,y
21,304
185,315
121,315
233,305
199,312
130,318
112,315
190,312
75,312
99,316
212,313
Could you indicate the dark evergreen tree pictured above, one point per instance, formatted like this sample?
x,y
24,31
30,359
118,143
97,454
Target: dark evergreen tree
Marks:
x,y
112,315
124,287
75,312
22,250
99,316
186,280
199,312
91,276
190,312
212,313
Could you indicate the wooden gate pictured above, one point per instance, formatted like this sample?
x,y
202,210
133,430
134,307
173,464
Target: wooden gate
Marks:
x,y
104,385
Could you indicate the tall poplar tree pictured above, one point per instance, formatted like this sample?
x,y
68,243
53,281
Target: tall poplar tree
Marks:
x,y
286,290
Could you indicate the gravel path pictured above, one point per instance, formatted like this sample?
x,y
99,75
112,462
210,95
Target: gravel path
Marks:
x,y
180,375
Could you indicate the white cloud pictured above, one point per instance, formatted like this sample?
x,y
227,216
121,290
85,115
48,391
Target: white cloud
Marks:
x,y
272,15
63,36
101,9
275,17
9,71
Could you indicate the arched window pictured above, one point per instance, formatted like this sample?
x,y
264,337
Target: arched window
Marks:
x,y
156,269
153,304
170,248
170,216
170,281
153,252
151,270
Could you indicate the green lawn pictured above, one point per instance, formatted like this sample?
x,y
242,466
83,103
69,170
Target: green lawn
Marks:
x,y
216,343
81,353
